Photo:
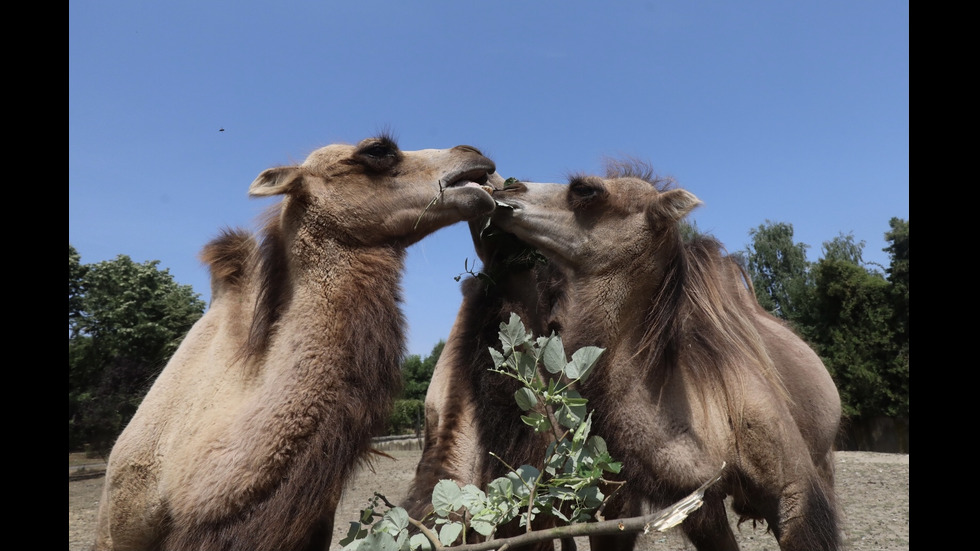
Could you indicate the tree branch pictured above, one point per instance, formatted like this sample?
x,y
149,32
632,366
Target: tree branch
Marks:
x,y
660,521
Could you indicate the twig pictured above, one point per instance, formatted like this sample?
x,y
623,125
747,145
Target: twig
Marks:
x,y
432,202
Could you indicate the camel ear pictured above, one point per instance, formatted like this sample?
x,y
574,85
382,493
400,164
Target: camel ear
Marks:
x,y
676,203
276,181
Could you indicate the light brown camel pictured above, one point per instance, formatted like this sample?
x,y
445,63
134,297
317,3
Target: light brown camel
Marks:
x,y
470,411
695,373
248,436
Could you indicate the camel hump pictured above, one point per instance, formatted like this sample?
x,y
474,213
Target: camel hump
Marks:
x,y
227,257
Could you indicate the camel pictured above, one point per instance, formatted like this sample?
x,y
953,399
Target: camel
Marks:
x,y
463,394
249,434
696,374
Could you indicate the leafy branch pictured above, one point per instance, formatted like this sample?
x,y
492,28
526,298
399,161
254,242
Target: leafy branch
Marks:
x,y
569,488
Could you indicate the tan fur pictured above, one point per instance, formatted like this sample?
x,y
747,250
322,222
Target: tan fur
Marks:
x,y
248,436
695,372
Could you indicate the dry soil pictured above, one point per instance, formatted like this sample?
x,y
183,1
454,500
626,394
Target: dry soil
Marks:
x,y
873,490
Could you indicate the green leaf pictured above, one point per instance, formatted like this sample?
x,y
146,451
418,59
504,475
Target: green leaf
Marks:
x,y
553,354
420,543
482,526
528,474
582,362
379,541
523,479
512,334
525,398
354,532
445,497
590,496
526,366
473,498
537,421
500,488
570,415
450,532
498,358
397,517
367,515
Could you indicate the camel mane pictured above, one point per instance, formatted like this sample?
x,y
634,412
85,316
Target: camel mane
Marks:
x,y
698,322
629,167
273,285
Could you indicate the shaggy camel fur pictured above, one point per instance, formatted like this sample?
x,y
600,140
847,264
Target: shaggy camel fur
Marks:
x,y
248,436
470,411
695,373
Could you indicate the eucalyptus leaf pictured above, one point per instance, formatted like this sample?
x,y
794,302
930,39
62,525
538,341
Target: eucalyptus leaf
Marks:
x,y
526,366
473,498
498,358
367,515
500,488
450,532
525,398
379,541
538,422
512,334
582,432
419,542
482,526
354,532
445,497
584,360
398,517
570,416
553,355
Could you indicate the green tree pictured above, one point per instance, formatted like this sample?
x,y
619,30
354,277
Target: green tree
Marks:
x,y
854,317
125,321
418,372
409,411
856,324
76,275
779,270
898,276
844,248
851,332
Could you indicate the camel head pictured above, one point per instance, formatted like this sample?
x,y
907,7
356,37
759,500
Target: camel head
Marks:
x,y
594,225
374,193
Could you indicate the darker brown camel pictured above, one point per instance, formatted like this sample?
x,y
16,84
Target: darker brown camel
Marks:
x,y
248,436
695,374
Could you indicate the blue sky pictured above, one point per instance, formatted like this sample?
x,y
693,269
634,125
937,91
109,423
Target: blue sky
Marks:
x,y
794,112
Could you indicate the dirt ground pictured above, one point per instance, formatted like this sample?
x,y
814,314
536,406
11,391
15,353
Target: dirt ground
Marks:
x,y
873,489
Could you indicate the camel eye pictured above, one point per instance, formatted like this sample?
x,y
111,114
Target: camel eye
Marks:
x,y
582,192
378,151
379,155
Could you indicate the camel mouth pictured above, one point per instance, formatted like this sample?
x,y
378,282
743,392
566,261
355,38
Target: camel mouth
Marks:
x,y
478,178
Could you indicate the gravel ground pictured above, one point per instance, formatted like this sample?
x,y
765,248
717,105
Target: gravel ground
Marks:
x,y
873,489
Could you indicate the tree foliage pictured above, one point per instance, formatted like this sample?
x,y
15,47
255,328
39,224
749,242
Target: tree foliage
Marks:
x,y
779,269
125,320
898,276
854,317
417,372
408,412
